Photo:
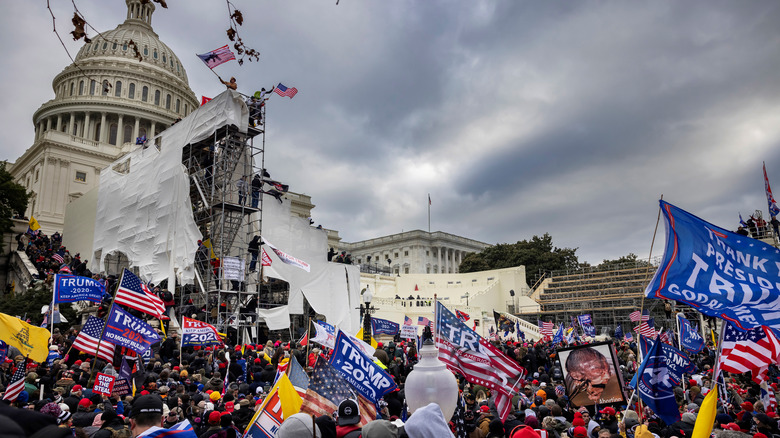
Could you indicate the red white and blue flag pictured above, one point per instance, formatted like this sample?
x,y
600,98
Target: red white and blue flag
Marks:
x,y
425,321
636,316
17,382
133,293
407,320
87,340
752,350
217,57
285,92
770,199
463,316
59,256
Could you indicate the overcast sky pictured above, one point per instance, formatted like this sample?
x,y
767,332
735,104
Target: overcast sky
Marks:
x,y
519,118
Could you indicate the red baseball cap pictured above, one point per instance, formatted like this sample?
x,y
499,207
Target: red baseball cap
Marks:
x,y
608,411
229,406
580,432
76,388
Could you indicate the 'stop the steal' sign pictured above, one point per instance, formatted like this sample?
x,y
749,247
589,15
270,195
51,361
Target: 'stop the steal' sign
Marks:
x,y
368,378
103,384
718,272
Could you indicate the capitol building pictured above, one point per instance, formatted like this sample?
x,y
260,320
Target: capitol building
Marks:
x,y
102,103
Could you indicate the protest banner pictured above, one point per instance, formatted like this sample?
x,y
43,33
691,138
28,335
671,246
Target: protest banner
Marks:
x,y
125,330
368,378
104,383
72,288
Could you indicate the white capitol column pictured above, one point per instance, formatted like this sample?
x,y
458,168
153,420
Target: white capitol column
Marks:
x,y
438,253
103,130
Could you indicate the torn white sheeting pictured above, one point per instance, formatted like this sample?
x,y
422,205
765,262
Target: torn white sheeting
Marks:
x,y
277,318
332,289
146,213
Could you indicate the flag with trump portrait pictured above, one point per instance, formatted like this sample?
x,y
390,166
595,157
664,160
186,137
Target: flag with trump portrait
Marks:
x,y
718,272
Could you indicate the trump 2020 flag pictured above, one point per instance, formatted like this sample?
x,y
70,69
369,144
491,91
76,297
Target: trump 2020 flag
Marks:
x,y
654,385
288,259
585,319
71,288
384,327
690,339
718,272
368,378
196,332
125,330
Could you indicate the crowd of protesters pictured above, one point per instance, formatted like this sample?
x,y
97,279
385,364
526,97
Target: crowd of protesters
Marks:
x,y
190,384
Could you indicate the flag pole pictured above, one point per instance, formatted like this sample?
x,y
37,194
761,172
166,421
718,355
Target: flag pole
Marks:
x,y
51,312
429,212
105,323
679,341
647,274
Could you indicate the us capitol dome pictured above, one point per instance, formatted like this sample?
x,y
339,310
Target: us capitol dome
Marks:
x,y
102,103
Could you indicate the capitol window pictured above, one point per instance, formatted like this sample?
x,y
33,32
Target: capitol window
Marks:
x,y
145,93
146,51
124,46
157,97
131,91
106,86
72,88
118,89
167,101
164,59
178,105
112,132
81,88
92,86
128,134
154,54
105,46
81,176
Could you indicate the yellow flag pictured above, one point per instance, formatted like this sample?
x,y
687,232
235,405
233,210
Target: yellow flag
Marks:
x,y
34,225
706,417
288,396
207,244
359,335
32,341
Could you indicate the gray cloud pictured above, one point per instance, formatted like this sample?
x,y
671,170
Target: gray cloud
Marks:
x,y
518,118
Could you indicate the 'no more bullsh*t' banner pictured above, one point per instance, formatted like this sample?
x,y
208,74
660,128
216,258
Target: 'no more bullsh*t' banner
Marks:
x,y
368,378
718,272
125,330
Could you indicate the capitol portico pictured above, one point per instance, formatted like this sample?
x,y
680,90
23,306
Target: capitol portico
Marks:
x,y
413,252
102,103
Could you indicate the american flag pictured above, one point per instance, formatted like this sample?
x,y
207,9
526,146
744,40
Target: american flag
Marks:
x,y
407,320
546,328
629,337
753,350
422,320
327,389
59,256
481,364
646,328
298,377
135,295
87,340
285,92
217,57
636,316
17,382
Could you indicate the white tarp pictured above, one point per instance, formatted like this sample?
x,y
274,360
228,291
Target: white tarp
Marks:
x,y
332,289
277,318
146,213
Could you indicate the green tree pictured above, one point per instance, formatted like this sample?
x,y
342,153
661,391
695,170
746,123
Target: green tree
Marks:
x,y
627,261
536,254
13,199
29,304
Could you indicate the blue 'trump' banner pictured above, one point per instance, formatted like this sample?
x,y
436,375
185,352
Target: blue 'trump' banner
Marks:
x,y
382,326
125,330
718,272
690,339
370,380
677,361
72,288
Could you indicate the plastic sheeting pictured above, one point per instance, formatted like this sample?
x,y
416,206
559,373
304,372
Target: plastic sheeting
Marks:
x,y
277,318
146,213
332,289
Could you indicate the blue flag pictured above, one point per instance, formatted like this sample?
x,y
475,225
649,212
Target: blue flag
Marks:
x,y
719,273
384,327
654,385
589,330
690,339
559,335
585,319
178,430
678,362
368,378
125,330
71,288
619,331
